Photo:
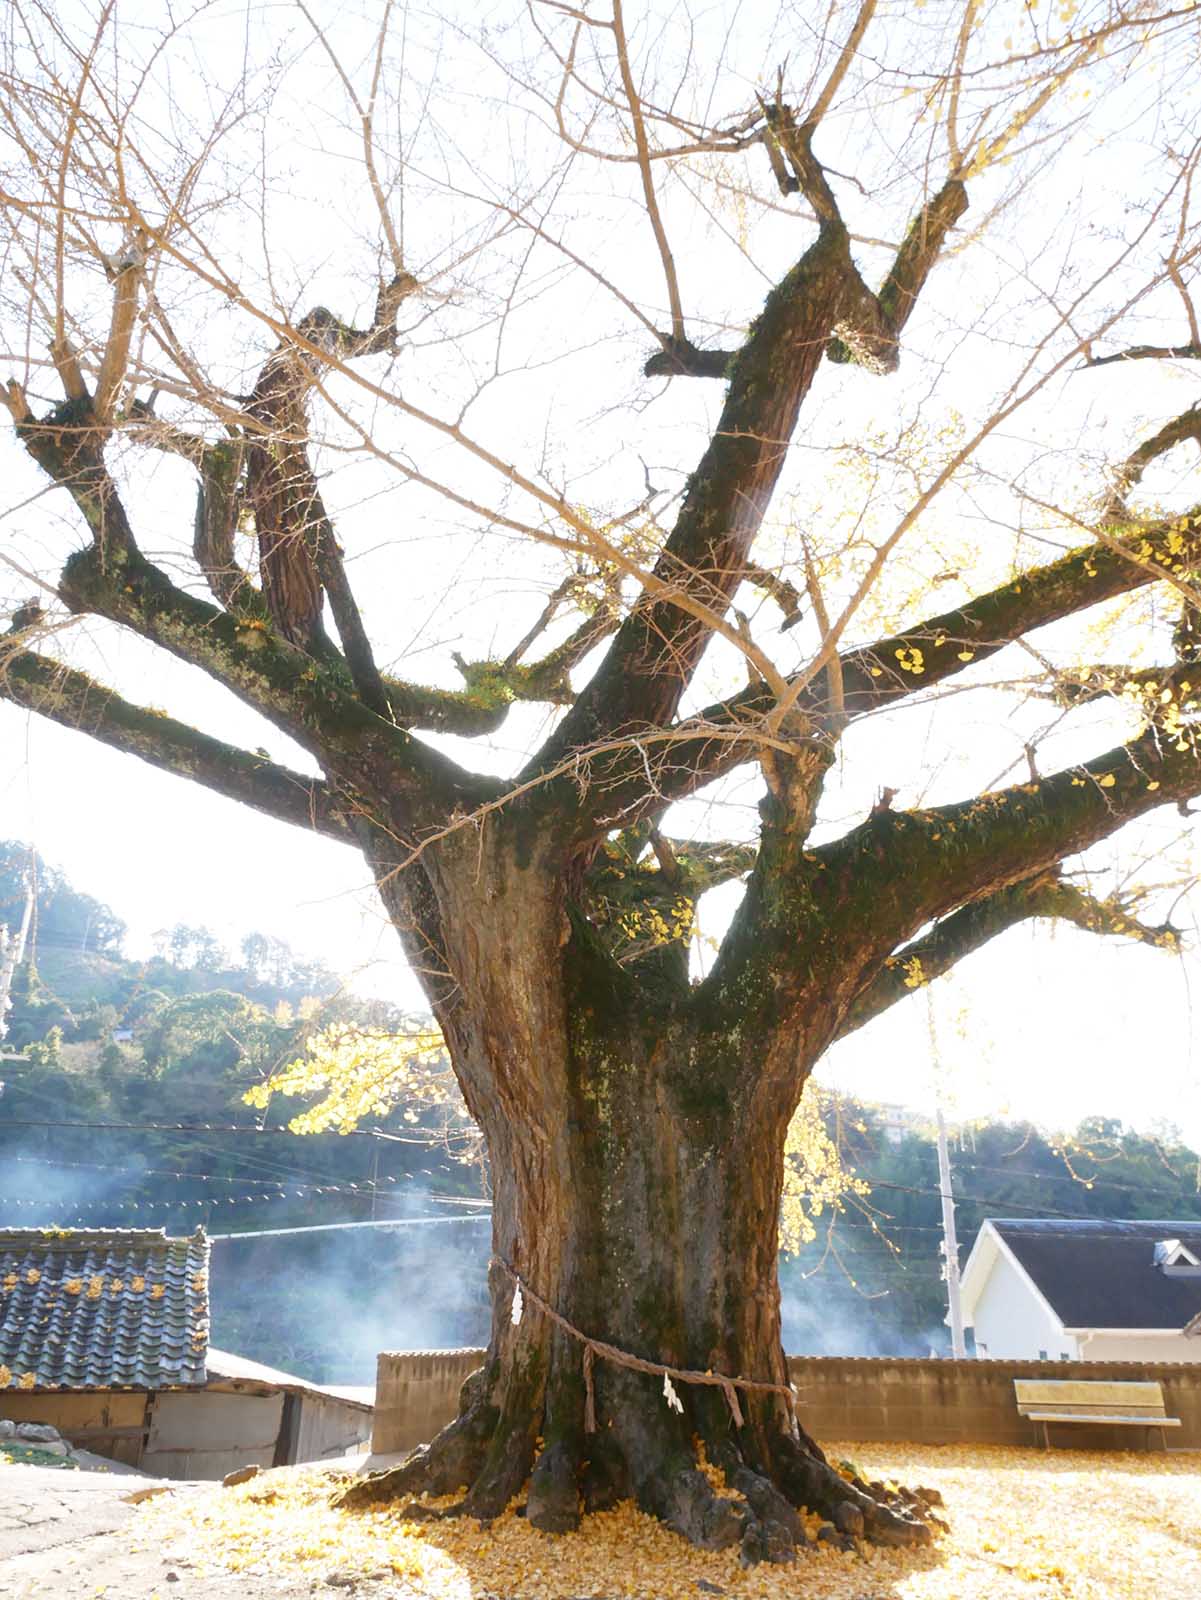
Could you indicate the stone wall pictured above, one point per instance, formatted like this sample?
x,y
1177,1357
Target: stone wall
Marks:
x,y
869,1399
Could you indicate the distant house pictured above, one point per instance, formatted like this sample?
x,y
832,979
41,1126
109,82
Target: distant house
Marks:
x,y
1051,1290
895,1122
104,1334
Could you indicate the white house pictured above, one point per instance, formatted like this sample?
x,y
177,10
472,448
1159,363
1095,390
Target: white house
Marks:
x,y
1052,1290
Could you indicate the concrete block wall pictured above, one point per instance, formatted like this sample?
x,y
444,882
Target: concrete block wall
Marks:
x,y
865,1399
416,1393
972,1402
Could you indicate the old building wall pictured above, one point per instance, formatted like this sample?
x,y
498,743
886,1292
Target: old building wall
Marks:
x,y
329,1427
111,1422
416,1393
204,1434
1142,1347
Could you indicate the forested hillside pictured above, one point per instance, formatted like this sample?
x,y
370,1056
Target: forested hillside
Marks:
x,y
96,1039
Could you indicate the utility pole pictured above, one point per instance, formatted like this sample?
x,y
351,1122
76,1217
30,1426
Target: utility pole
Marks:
x,y
12,953
950,1245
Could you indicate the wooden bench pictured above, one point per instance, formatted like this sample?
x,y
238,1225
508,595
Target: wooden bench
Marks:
x,y
1076,1400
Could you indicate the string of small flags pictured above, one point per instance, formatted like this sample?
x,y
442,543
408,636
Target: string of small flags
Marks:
x,y
364,1191
136,1172
426,1139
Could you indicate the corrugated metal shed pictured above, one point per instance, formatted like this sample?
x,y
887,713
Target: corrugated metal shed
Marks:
x,y
102,1308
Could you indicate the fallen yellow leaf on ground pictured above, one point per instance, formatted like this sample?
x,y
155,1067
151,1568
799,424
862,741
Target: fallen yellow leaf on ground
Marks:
x,y
1039,1525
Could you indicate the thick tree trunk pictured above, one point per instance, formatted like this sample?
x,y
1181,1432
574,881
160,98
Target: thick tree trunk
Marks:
x,y
637,1179
658,1240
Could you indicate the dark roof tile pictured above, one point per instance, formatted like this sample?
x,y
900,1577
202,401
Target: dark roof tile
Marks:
x,y
1098,1274
101,1308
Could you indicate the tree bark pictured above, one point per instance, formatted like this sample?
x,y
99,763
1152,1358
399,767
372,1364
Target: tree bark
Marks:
x,y
633,1209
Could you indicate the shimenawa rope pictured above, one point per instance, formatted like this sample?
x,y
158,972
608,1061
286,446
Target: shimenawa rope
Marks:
x,y
622,1358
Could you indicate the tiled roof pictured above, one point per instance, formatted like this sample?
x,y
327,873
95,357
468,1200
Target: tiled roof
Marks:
x,y
1099,1274
100,1308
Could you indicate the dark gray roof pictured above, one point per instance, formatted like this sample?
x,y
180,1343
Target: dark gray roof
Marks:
x,y
102,1308
1098,1274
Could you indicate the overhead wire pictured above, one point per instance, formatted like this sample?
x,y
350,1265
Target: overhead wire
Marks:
x,y
1068,1177
370,1189
993,1200
432,1139
163,1172
239,1128
249,1159
335,1227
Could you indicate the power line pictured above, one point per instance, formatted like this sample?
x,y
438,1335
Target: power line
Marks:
x,y
211,1202
272,1169
219,1127
993,1200
333,1227
377,1133
1068,1177
1041,1177
163,1172
137,1172
277,1191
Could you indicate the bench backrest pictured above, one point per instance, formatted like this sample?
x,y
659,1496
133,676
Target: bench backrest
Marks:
x,y
1080,1397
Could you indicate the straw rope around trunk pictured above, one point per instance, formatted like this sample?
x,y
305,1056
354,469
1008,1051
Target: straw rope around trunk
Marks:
x,y
622,1358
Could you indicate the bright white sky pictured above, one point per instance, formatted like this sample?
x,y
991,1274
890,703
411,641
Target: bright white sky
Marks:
x,y
1051,1024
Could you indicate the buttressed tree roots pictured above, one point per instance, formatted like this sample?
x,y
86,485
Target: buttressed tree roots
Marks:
x,y
635,1114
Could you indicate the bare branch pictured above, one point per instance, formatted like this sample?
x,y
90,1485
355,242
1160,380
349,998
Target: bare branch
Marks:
x,y
1185,426
299,555
847,54
1148,352
972,927
644,168
872,333
127,270
729,733
76,701
873,889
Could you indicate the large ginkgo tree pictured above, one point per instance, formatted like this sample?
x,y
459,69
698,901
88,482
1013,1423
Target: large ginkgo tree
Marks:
x,y
701,398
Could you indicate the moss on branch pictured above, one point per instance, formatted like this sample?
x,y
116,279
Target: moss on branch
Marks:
x,y
872,336
816,925
973,926
313,701
1127,559
76,701
928,653
640,894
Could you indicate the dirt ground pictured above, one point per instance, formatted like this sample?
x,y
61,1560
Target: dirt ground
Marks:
x,y
1059,1525
71,1534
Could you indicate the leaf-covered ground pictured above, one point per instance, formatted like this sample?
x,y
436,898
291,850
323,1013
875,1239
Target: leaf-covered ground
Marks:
x,y
1028,1523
